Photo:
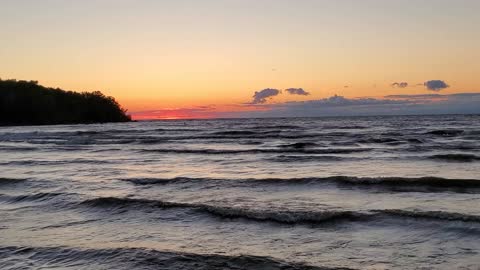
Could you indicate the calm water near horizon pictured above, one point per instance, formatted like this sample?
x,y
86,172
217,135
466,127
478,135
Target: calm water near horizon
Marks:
x,y
391,192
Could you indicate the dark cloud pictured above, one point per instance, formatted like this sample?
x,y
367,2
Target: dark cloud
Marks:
x,y
436,85
399,84
297,91
261,97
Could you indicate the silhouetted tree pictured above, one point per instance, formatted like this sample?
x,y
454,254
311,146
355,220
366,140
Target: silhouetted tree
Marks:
x,y
28,103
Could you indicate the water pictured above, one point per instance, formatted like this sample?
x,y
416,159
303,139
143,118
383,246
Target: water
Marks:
x,y
307,193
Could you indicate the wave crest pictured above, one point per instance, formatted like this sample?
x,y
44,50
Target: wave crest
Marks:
x,y
457,157
283,216
9,181
135,258
422,184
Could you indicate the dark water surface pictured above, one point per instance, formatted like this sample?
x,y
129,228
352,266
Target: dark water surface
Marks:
x,y
306,193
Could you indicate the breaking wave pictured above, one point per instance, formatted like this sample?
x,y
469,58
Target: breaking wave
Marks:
x,y
281,216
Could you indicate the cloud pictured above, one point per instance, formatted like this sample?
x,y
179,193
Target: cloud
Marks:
x,y
462,103
416,97
436,85
459,103
399,84
297,91
261,97
340,101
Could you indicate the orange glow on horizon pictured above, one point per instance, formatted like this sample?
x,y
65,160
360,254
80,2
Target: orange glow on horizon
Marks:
x,y
197,112
169,115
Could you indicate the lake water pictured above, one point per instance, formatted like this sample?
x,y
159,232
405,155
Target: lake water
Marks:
x,y
302,193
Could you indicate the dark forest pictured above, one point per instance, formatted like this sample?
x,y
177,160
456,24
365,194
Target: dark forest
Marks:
x,y
28,103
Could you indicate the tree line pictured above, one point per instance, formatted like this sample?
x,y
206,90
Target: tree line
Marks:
x,y
28,103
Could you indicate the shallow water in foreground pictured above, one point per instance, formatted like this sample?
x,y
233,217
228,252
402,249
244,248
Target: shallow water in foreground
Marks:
x,y
306,193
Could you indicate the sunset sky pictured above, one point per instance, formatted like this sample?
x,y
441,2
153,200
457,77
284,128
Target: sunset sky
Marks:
x,y
192,58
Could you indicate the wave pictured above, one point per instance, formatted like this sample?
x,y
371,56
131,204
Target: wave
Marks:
x,y
83,141
12,257
346,127
43,196
299,145
235,132
17,148
303,158
381,140
415,140
174,130
435,215
68,224
446,132
150,140
269,132
229,135
258,151
161,181
286,217
87,132
422,184
9,181
456,157
281,216
432,182
278,127
54,162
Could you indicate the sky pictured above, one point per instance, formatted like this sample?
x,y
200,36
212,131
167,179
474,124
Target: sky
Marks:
x,y
251,58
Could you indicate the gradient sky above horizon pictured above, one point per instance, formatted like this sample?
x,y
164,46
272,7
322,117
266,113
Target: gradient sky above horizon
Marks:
x,y
161,55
